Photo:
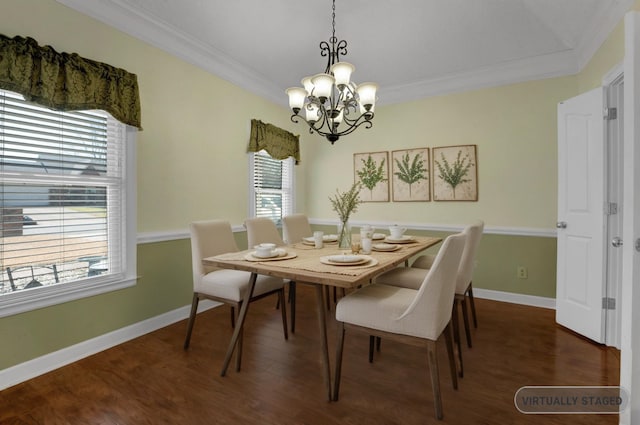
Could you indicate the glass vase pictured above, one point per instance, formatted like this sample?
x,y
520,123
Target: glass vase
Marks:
x,y
344,235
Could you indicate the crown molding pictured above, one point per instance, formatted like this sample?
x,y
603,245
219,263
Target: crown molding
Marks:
x,y
527,69
155,32
600,29
152,31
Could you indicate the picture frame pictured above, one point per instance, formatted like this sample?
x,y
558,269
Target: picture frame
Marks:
x,y
371,170
455,173
411,175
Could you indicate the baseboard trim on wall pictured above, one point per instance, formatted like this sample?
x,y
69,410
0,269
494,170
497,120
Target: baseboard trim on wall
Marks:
x,y
510,297
43,364
153,237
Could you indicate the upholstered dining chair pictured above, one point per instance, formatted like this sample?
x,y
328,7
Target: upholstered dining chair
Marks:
x,y
464,284
264,230
411,277
295,227
214,237
413,316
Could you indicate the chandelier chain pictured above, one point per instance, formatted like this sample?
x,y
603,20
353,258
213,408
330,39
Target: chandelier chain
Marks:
x,y
333,20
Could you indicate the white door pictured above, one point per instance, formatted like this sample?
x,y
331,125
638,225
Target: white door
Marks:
x,y
580,284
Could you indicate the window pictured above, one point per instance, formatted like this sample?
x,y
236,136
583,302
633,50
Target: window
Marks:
x,y
271,186
67,204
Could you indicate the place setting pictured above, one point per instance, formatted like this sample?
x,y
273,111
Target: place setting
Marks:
x,y
328,239
355,258
269,252
385,247
397,236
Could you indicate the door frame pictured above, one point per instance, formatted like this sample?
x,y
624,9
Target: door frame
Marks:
x,y
613,84
630,298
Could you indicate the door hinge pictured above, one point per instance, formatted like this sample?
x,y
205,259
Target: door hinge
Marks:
x,y
610,113
610,208
609,303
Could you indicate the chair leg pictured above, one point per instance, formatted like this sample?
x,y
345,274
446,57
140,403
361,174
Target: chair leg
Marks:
x,y
473,306
372,340
292,301
435,377
239,349
283,311
448,337
465,317
338,373
192,320
233,317
455,323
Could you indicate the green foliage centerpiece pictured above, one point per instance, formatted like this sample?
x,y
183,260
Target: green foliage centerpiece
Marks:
x,y
345,204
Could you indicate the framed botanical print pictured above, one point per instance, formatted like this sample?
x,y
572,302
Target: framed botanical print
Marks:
x,y
455,173
371,170
410,175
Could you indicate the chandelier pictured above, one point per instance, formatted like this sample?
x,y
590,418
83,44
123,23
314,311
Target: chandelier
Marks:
x,y
333,105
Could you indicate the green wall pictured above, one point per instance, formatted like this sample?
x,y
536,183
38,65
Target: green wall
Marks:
x,y
192,165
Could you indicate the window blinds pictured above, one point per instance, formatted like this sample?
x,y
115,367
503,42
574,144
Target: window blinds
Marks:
x,y
61,180
272,186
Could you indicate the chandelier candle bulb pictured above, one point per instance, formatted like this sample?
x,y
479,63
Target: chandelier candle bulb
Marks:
x,y
367,94
322,86
307,84
312,113
297,96
342,73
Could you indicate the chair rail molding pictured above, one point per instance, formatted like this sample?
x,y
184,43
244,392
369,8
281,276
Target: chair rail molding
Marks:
x,y
172,235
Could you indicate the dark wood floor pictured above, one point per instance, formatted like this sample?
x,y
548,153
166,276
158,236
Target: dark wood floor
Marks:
x,y
152,380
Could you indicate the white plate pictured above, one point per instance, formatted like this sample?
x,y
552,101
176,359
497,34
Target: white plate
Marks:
x,y
281,254
403,239
378,236
274,253
345,260
385,247
326,238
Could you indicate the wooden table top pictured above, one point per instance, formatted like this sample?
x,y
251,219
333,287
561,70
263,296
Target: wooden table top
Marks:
x,y
306,265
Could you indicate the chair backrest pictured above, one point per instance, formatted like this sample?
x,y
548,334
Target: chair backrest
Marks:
x,y
262,230
209,238
430,311
295,227
467,262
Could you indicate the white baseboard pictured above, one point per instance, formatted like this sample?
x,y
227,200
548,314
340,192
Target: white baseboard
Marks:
x,y
510,297
41,365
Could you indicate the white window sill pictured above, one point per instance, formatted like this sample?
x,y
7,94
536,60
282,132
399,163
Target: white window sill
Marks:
x,y
27,300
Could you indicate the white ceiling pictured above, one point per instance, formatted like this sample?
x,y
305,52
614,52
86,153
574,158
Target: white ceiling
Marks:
x,y
411,48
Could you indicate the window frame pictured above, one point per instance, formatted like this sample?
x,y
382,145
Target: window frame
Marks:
x,y
45,296
290,164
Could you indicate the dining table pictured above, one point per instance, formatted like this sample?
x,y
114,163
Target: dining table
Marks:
x,y
304,263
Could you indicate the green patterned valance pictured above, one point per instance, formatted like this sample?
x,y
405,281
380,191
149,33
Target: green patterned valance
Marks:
x,y
66,81
279,143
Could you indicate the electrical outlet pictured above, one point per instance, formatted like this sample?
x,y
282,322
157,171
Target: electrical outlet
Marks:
x,y
522,272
